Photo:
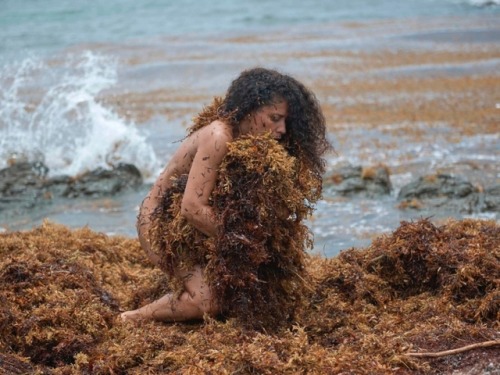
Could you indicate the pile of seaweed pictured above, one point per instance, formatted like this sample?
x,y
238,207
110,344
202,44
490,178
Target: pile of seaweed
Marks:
x,y
261,200
423,288
256,263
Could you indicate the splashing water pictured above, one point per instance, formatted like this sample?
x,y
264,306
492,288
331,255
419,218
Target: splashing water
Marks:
x,y
51,114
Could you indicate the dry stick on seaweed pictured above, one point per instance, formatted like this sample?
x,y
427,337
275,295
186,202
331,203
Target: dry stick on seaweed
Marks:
x,y
485,344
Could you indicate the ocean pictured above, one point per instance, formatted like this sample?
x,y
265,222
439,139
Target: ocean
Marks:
x,y
86,85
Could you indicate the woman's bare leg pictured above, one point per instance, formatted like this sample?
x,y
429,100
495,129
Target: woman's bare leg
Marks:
x,y
193,303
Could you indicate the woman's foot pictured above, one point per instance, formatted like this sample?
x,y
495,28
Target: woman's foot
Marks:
x,y
130,316
193,303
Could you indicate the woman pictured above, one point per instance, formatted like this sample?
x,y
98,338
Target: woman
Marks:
x,y
259,101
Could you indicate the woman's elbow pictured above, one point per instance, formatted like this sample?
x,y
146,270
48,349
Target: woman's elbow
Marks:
x,y
200,217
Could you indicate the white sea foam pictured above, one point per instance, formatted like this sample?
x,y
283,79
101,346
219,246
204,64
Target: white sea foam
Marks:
x,y
62,123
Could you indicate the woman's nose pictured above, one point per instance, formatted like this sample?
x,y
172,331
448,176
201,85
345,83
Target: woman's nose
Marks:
x,y
282,128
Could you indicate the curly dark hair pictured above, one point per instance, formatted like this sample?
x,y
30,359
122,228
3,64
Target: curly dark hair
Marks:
x,y
305,136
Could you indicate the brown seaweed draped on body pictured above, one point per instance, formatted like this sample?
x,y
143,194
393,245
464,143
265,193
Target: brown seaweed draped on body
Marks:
x,y
255,264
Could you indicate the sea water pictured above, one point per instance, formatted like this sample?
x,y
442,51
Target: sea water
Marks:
x,y
58,58
44,27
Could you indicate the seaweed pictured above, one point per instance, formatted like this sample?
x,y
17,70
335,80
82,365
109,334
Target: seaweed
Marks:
x,y
256,263
59,293
62,288
257,270
423,286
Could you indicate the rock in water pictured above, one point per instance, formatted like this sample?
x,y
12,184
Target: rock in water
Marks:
x,y
355,180
25,185
451,193
22,185
105,182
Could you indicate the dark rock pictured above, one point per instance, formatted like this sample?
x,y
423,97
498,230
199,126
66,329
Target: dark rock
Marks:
x,y
13,178
25,185
450,193
434,186
104,182
356,180
21,185
491,200
58,186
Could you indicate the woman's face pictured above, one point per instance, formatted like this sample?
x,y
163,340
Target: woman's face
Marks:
x,y
269,119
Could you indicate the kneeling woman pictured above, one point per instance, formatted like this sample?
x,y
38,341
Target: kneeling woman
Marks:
x,y
260,101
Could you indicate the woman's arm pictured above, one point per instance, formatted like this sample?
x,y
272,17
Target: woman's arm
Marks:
x,y
212,147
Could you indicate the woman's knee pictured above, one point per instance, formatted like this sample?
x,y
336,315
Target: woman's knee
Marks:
x,y
197,292
198,304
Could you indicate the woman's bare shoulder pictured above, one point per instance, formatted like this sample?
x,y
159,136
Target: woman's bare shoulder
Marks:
x,y
211,142
213,137
217,130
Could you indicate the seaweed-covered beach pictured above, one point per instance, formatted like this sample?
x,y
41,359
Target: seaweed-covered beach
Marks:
x,y
405,264
422,290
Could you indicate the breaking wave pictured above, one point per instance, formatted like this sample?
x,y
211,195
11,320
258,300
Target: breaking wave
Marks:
x,y
50,112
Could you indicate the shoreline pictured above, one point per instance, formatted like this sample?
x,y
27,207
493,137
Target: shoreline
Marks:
x,y
368,77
